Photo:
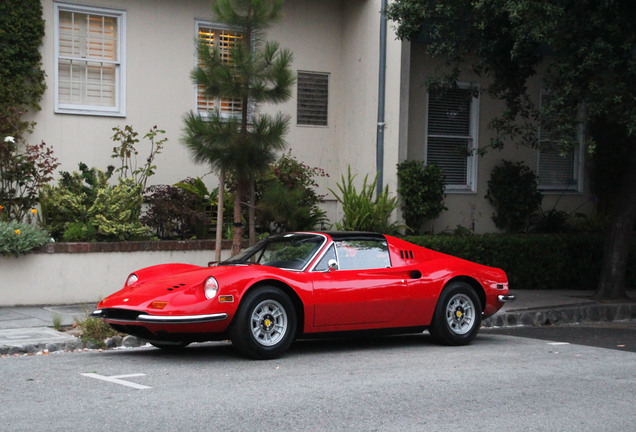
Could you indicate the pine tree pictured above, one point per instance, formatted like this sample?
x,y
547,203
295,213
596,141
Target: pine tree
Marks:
x,y
253,72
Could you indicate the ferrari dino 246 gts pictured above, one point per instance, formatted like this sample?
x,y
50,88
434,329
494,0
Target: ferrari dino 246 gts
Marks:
x,y
308,284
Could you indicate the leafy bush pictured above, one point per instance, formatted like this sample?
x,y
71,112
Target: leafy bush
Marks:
x,y
70,201
361,211
92,209
421,189
18,238
79,232
174,212
512,190
116,212
24,169
283,207
533,261
288,198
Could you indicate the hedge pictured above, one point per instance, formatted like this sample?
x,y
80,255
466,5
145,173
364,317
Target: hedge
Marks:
x,y
539,262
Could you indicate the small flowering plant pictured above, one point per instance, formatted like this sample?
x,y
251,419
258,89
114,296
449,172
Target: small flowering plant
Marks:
x,y
17,238
23,171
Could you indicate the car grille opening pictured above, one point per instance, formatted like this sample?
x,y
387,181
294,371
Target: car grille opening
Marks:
x,y
122,314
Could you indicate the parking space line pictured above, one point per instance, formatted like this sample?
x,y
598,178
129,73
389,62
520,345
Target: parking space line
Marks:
x,y
117,379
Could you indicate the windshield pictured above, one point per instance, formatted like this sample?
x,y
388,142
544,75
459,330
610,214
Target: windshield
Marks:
x,y
288,251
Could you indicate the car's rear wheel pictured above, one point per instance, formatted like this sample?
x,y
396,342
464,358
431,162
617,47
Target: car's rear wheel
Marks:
x,y
265,324
457,316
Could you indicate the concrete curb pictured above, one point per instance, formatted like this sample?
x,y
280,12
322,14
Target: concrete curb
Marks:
x,y
570,314
75,344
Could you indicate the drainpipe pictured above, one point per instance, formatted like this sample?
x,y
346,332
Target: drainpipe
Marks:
x,y
381,99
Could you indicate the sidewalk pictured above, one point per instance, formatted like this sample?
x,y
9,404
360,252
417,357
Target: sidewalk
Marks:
x,y
29,329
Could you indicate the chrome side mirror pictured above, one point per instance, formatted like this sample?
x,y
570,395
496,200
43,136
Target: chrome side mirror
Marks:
x,y
333,264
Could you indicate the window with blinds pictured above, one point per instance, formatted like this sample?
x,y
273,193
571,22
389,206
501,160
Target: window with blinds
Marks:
x,y
223,40
451,140
557,170
312,98
89,60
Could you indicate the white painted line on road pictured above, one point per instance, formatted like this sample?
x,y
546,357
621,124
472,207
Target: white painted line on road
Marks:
x,y
558,343
116,379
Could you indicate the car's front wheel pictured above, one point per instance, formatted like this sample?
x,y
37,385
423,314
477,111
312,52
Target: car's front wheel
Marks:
x,y
265,324
457,316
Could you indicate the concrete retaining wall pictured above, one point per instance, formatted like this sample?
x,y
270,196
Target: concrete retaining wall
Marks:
x,y
67,273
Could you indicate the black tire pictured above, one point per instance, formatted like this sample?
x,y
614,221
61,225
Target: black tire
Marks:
x,y
457,316
265,324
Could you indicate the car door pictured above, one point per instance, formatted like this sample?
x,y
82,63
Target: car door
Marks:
x,y
362,290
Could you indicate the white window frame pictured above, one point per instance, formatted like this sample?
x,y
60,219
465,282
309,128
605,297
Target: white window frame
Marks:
x,y
576,186
198,23
473,137
119,108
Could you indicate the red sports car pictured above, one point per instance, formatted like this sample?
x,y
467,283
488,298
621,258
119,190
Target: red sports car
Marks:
x,y
308,284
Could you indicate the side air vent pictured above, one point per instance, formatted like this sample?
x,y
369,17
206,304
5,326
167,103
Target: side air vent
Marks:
x,y
406,254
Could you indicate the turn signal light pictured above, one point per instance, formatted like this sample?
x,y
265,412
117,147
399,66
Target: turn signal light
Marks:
x,y
226,299
158,304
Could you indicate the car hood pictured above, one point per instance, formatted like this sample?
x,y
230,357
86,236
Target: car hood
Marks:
x,y
180,285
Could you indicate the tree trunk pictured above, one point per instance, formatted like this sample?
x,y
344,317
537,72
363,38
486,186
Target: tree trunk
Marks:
x,y
237,236
251,211
219,217
619,236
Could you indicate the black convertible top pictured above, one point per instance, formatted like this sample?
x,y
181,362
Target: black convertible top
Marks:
x,y
335,235
354,235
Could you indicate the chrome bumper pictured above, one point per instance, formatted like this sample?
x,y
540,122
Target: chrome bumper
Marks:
x,y
506,298
164,319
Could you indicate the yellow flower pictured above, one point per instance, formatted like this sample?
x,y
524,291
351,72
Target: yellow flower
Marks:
x,y
17,232
34,211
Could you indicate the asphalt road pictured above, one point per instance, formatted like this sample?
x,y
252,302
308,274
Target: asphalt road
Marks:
x,y
405,383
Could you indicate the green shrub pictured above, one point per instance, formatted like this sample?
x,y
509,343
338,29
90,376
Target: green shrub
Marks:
x,y
288,198
361,211
84,203
79,232
18,238
71,199
512,190
421,189
283,207
533,261
116,212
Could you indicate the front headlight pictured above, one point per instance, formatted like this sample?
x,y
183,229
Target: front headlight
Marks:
x,y
131,279
210,287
